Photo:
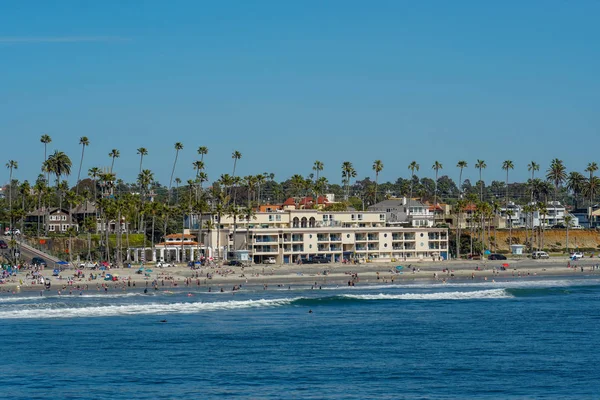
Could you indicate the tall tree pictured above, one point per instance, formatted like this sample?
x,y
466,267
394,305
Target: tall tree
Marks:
x,y
413,166
83,141
462,164
202,151
480,165
94,173
178,146
508,165
377,167
348,172
45,139
142,151
556,174
236,155
59,164
113,154
591,168
11,165
533,167
436,166
576,183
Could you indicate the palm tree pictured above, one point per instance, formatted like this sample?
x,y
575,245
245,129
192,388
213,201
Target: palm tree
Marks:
x,y
436,166
202,151
45,139
236,155
506,165
575,183
11,165
142,151
377,167
591,168
178,146
94,173
480,165
348,172
461,165
533,166
413,166
83,141
317,167
557,175
59,164
113,154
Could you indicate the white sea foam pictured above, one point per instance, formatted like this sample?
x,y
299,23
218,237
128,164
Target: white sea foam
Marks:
x,y
478,294
139,309
18,298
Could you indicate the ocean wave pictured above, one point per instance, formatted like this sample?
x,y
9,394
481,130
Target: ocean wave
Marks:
x,y
86,311
477,294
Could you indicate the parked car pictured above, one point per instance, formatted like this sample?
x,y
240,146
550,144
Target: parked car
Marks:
x,y
3,245
474,257
15,232
496,257
319,260
39,261
539,255
576,255
558,226
235,263
269,260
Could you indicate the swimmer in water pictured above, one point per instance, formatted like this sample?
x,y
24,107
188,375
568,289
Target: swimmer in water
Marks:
x,y
310,311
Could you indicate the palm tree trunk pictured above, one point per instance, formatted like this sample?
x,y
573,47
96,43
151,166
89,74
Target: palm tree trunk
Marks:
x,y
89,257
79,172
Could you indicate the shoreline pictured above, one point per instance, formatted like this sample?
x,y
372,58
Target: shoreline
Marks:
x,y
306,275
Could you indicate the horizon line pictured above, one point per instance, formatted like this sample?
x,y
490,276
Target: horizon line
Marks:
x,y
61,39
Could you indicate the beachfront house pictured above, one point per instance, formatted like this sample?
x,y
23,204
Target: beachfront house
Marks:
x,y
405,212
293,235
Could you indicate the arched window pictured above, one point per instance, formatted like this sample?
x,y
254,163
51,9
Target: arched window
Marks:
x,y
312,222
303,222
295,222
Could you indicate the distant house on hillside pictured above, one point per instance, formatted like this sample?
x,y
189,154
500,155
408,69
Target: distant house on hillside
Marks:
x,y
403,211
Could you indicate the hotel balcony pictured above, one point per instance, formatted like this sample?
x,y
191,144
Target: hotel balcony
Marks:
x,y
373,247
361,238
335,248
409,236
361,248
373,237
322,238
336,238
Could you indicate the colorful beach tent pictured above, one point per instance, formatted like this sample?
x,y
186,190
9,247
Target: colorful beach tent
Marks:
x,y
62,263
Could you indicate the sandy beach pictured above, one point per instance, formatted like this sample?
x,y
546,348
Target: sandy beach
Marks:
x,y
217,278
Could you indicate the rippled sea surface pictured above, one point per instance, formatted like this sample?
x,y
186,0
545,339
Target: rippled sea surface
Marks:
x,y
528,338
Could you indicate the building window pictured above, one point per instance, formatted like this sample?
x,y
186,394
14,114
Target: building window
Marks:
x,y
385,235
422,234
270,218
360,217
325,217
382,217
353,217
348,236
51,228
385,245
64,217
278,217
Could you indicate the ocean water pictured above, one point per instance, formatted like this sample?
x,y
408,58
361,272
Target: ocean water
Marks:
x,y
527,338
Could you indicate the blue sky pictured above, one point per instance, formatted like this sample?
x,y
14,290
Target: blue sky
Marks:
x,y
288,83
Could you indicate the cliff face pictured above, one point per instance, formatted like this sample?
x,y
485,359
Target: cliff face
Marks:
x,y
554,239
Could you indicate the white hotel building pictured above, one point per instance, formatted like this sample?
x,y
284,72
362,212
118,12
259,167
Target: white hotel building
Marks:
x,y
289,235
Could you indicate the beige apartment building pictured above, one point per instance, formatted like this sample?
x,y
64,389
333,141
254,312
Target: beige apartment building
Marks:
x,y
290,235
